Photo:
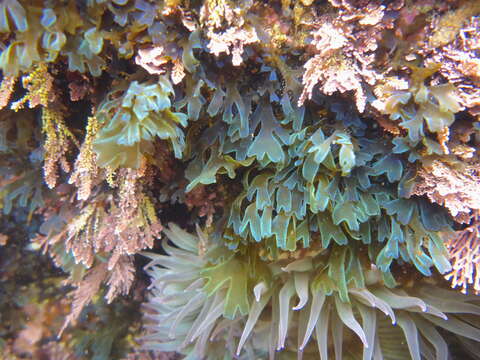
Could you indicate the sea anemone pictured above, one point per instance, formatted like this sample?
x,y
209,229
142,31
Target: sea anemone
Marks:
x,y
245,307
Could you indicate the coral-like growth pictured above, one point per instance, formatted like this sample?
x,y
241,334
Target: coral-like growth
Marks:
x,y
458,192
330,68
464,248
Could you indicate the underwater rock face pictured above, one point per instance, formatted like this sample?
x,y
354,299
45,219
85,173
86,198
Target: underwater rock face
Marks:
x,y
324,154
